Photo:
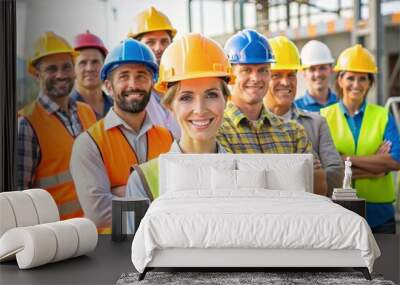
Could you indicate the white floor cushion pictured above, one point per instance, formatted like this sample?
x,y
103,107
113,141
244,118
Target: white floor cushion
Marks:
x,y
40,244
45,205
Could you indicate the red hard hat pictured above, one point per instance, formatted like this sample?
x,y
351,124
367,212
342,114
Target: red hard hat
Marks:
x,y
89,40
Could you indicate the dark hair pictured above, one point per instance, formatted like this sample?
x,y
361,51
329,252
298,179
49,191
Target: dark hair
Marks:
x,y
173,87
140,36
339,91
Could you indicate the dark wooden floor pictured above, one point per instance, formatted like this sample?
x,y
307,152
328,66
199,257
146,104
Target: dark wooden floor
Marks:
x,y
389,262
106,264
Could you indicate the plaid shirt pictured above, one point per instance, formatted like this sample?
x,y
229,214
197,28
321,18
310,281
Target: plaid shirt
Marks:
x,y
269,134
28,148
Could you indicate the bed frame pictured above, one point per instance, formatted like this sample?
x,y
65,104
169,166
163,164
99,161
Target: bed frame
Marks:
x,y
249,259
246,259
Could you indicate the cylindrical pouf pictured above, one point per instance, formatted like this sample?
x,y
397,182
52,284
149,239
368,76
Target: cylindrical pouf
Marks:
x,y
67,240
45,205
23,208
7,218
87,234
33,246
40,244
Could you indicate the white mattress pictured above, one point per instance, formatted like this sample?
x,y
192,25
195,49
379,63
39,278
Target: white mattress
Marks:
x,y
251,219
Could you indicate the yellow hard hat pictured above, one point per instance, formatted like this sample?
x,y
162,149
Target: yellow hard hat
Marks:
x,y
356,59
150,20
48,44
193,56
286,54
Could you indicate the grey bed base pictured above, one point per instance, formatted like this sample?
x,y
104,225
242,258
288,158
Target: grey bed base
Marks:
x,y
233,259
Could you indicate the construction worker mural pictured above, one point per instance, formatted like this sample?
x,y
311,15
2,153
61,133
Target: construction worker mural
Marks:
x,y
367,134
154,29
248,127
103,155
88,86
317,62
279,100
196,93
48,126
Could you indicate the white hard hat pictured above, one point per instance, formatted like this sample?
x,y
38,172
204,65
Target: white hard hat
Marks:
x,y
314,53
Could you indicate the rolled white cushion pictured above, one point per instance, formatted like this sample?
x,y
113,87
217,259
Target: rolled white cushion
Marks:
x,y
23,208
87,235
7,217
33,246
45,205
40,244
67,240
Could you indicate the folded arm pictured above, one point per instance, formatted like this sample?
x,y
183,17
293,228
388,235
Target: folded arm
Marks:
x,y
375,164
358,173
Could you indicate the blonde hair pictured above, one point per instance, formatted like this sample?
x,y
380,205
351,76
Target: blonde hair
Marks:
x,y
173,88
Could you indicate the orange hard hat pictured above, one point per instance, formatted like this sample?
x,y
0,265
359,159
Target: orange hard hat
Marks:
x,y
193,56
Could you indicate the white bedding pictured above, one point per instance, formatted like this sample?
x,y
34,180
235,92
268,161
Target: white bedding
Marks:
x,y
252,218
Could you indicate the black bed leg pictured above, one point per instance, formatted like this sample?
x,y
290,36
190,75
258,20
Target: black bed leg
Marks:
x,y
142,275
364,271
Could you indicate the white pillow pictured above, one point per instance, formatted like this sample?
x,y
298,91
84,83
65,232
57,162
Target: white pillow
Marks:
x,y
281,173
187,175
293,180
251,178
183,177
224,179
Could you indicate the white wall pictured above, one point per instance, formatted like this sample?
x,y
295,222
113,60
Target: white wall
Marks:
x,y
109,19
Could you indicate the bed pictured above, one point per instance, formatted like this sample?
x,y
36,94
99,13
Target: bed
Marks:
x,y
242,211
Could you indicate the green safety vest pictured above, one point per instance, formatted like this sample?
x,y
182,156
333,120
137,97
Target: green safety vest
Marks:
x,y
375,190
148,174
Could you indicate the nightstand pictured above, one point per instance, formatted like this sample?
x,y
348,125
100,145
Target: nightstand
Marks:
x,y
120,209
356,205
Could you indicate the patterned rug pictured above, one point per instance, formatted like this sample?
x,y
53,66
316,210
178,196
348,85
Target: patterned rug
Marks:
x,y
230,278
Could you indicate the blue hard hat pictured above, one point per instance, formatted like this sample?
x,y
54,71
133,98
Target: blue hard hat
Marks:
x,y
129,51
248,47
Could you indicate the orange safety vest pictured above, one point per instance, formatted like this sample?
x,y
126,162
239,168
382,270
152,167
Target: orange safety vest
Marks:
x,y
55,142
118,155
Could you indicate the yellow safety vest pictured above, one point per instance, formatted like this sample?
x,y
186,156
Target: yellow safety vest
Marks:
x,y
148,174
375,190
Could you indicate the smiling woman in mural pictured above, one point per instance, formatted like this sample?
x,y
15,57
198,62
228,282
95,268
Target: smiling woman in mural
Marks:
x,y
196,93
367,134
